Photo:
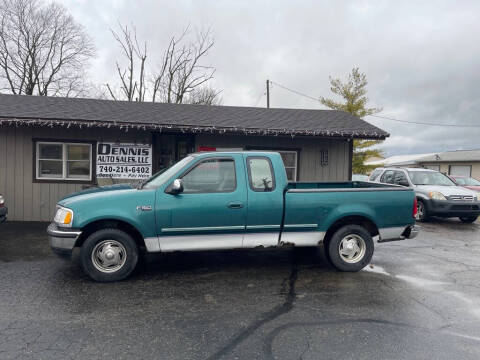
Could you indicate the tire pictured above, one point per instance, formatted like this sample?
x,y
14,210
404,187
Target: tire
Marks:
x,y
422,212
469,219
350,234
109,255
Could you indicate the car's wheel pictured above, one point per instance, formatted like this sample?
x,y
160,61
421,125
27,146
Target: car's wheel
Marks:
x,y
469,219
350,248
422,212
109,255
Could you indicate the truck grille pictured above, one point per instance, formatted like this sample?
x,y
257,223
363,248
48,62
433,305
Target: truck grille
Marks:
x,y
461,197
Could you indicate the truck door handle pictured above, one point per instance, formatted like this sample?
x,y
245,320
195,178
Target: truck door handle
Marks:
x,y
235,205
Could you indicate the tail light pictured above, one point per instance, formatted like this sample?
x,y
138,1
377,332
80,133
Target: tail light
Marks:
x,y
415,207
2,201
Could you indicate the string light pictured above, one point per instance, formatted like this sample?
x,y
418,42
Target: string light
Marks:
x,y
195,129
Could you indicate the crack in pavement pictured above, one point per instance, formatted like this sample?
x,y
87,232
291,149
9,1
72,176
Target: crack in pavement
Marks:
x,y
265,318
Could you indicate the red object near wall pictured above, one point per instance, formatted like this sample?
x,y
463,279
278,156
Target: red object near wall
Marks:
x,y
207,148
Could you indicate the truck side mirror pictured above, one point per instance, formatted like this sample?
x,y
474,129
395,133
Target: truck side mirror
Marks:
x,y
176,187
404,183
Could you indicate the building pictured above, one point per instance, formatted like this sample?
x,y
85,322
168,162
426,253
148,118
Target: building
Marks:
x,y
460,162
50,146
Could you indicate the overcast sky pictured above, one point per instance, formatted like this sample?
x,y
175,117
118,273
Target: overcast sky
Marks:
x,y
422,60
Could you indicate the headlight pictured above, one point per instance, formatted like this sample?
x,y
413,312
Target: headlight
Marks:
x,y
436,195
63,217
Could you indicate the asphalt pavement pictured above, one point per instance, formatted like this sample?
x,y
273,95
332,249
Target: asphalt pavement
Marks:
x,y
419,299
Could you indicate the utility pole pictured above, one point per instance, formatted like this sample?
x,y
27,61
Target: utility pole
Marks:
x,y
268,93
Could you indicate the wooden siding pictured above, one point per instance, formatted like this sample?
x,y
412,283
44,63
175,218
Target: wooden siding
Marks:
x,y
30,201
309,167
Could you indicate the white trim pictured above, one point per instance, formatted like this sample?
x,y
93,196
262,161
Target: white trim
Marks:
x,y
64,161
152,244
266,239
302,238
254,227
200,242
206,228
300,225
391,233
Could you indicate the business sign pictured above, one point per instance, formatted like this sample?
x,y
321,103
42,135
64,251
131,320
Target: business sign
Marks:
x,y
124,161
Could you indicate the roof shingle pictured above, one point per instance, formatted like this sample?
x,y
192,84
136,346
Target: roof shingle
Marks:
x,y
57,110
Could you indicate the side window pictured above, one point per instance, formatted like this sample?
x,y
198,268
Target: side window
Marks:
x,y
260,174
210,176
400,178
387,177
375,174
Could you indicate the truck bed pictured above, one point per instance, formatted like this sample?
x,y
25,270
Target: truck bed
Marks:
x,y
313,207
341,186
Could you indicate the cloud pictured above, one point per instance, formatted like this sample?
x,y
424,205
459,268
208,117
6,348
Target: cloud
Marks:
x,y
421,58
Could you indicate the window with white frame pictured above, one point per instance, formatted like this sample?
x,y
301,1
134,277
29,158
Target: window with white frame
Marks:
x,y
63,161
290,161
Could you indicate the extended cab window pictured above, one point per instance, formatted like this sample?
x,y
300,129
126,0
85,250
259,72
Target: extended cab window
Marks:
x,y
260,174
210,176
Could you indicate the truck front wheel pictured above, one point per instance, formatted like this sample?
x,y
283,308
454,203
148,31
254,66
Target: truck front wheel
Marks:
x,y
109,255
350,248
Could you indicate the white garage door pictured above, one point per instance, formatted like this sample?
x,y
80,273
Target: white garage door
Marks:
x,y
460,170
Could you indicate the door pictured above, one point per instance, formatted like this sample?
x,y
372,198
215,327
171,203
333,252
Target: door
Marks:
x,y
265,203
210,213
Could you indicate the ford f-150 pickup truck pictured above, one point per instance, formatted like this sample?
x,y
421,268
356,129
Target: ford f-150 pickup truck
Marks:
x,y
226,200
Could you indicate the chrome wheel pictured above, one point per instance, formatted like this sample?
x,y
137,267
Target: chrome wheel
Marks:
x,y
352,248
109,256
420,211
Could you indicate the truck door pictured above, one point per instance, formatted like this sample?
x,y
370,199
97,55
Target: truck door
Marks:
x,y
265,203
210,213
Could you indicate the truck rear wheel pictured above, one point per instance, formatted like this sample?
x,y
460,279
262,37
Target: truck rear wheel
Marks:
x,y
350,248
109,255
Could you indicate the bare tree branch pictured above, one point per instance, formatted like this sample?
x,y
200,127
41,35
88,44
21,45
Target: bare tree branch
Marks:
x,y
43,50
133,89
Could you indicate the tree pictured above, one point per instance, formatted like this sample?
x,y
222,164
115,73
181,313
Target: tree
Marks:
x,y
204,96
43,51
131,88
354,92
180,77
181,73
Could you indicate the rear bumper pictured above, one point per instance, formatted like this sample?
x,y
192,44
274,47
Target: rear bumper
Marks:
x,y
398,233
3,213
62,241
442,208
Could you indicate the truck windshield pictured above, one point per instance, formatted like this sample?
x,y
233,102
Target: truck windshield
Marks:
x,y
429,178
162,176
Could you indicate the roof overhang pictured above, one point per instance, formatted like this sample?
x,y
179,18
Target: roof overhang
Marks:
x,y
185,128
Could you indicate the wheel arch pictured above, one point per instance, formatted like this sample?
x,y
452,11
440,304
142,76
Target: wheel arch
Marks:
x,y
125,226
361,220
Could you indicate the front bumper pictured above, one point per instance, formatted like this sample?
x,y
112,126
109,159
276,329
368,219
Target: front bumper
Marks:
x,y
62,241
3,213
398,233
448,208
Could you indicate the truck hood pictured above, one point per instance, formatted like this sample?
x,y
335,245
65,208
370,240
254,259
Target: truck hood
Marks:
x,y
98,189
445,190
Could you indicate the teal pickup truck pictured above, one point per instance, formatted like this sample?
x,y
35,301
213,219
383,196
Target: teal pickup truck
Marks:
x,y
228,200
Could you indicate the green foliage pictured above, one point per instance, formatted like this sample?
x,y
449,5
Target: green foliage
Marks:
x,y
354,92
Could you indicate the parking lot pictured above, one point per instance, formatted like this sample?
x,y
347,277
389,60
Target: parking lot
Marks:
x,y
418,299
